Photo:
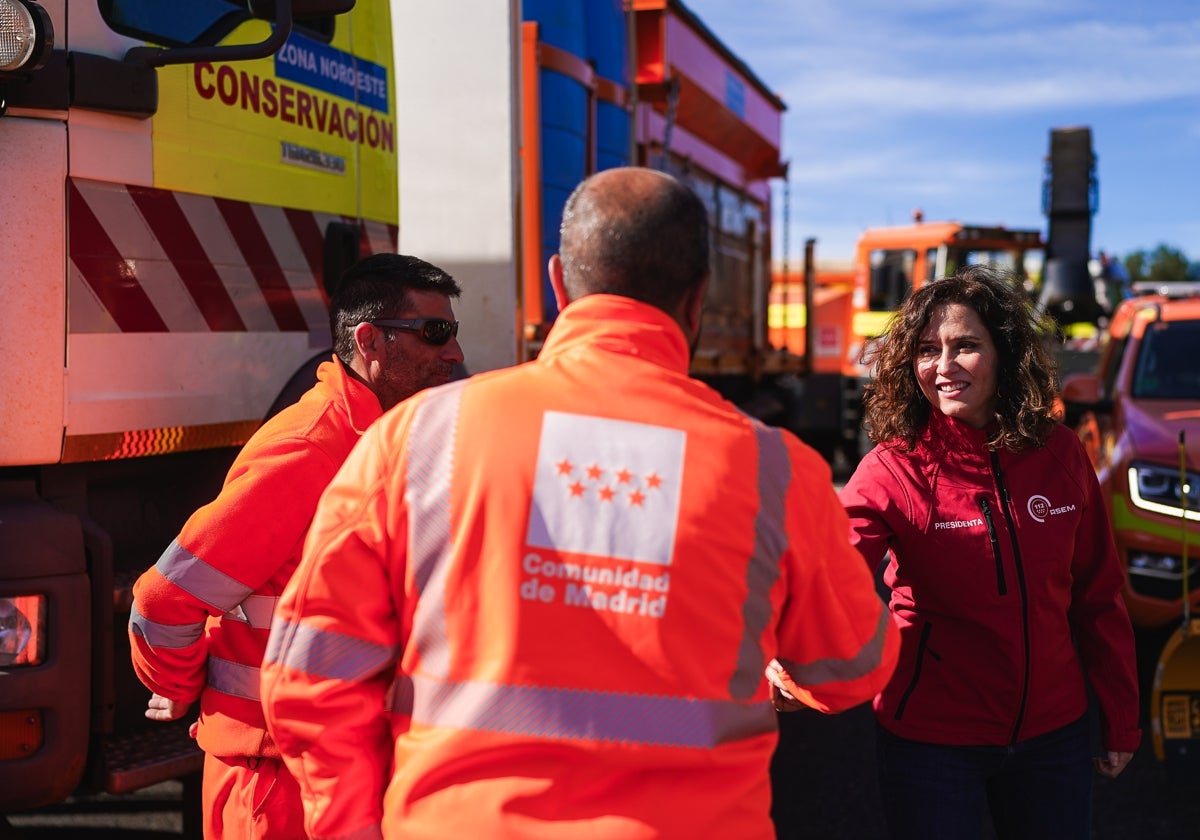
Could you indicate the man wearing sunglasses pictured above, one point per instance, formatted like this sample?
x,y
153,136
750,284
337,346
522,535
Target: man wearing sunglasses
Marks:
x,y
201,615
574,573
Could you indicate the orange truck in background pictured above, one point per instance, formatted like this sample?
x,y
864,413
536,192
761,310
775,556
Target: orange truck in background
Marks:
x,y
1129,412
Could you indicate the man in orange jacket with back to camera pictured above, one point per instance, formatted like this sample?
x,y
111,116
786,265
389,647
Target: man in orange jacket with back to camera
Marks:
x,y
569,577
202,614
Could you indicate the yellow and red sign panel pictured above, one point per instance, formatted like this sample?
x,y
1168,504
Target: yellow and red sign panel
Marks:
x,y
295,130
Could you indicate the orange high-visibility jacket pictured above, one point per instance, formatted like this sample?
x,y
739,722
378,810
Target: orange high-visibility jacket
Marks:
x,y
201,616
576,570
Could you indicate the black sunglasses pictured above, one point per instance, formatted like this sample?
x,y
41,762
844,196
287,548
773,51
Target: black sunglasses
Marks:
x,y
435,331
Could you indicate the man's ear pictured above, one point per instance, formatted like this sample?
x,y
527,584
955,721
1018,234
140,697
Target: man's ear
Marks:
x,y
693,306
556,282
368,341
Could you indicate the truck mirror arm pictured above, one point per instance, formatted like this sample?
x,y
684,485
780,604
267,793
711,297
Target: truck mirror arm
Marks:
x,y
159,57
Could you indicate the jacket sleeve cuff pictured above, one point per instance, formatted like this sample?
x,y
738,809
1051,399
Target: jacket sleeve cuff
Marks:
x,y
1123,740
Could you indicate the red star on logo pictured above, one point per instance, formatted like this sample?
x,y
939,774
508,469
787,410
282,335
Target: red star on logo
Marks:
x,y
576,489
636,498
564,467
594,472
653,481
624,476
606,494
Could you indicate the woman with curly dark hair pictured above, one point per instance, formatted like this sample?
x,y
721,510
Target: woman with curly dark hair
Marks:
x,y
1004,577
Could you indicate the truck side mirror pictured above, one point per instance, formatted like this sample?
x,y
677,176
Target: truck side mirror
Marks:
x,y
280,12
1082,393
1081,388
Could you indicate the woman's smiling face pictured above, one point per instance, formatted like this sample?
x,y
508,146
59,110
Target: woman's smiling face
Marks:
x,y
956,364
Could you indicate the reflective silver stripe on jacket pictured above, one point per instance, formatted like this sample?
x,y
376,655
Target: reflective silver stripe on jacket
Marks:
x,y
255,611
164,635
821,671
326,654
200,580
580,714
762,570
429,473
233,678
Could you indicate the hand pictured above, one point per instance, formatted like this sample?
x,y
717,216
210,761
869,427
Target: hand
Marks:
x,y
781,698
161,709
1113,763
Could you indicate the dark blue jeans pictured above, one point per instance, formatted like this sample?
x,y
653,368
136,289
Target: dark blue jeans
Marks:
x,y
1040,788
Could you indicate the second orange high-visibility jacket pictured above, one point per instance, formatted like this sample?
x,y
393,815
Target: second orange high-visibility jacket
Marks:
x,y
201,615
576,571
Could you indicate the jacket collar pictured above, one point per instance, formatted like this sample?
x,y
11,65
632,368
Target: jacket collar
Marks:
x,y
944,435
620,325
357,400
951,448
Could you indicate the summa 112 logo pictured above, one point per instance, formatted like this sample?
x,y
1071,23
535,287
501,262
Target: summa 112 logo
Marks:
x,y
1039,508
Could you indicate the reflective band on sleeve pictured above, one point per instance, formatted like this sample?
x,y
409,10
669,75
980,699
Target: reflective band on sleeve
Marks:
x,y
197,578
233,678
823,671
325,654
576,714
430,469
164,635
255,611
770,541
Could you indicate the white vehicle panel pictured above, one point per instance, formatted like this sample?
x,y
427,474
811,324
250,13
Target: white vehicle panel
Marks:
x,y
122,381
33,160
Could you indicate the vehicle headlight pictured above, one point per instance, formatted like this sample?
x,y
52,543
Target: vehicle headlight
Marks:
x,y
22,630
1157,489
1153,563
26,36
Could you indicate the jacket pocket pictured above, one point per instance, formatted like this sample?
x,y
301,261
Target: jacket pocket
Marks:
x,y
923,650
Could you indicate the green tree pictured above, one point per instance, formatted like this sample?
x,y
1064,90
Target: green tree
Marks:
x,y
1135,266
1164,265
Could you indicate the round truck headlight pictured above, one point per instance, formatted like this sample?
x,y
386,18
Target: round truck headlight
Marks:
x,y
22,630
26,36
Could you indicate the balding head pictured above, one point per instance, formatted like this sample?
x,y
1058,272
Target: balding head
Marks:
x,y
634,232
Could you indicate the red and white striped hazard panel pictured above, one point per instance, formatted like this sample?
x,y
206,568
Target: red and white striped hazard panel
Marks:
x,y
150,260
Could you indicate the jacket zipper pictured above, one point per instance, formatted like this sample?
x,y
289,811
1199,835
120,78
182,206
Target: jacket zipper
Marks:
x,y
922,649
1006,505
986,507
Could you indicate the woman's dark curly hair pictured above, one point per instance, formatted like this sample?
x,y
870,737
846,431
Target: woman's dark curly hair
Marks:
x,y
895,407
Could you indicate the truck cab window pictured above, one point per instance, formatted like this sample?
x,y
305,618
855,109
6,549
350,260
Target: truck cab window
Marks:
x,y
1166,362
891,278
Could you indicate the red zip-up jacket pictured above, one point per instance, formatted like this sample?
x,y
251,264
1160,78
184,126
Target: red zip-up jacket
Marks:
x,y
999,559
201,615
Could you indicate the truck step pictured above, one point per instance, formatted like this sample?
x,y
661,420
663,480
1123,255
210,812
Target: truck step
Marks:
x,y
148,756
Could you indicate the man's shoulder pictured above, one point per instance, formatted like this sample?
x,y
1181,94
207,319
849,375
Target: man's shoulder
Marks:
x,y
315,421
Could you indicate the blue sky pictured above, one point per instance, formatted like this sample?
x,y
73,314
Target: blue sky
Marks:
x,y
948,106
